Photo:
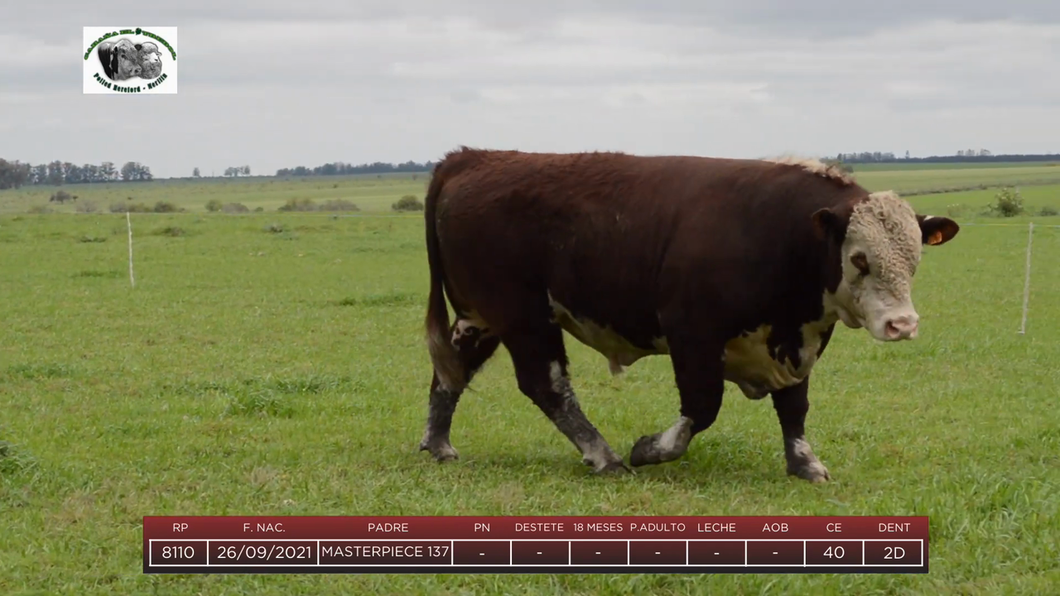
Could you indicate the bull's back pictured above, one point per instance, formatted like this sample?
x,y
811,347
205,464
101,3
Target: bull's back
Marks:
x,y
581,234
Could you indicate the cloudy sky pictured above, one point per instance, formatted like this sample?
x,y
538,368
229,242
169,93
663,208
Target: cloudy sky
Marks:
x,y
316,81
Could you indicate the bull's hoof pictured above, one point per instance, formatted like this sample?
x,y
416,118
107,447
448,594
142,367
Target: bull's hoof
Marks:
x,y
644,452
441,451
614,467
813,471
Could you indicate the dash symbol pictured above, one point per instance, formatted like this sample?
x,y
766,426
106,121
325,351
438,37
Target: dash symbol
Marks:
x,y
774,552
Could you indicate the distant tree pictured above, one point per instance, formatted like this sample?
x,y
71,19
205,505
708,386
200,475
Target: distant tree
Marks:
x,y
107,172
13,174
74,174
134,171
55,173
195,173
128,171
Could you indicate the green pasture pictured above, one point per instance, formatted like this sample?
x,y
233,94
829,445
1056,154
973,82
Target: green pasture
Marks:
x,y
369,192
917,181
274,364
901,166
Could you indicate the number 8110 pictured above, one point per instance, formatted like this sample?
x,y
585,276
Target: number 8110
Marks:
x,y
178,552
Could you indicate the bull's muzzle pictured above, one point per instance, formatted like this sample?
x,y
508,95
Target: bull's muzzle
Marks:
x,y
899,328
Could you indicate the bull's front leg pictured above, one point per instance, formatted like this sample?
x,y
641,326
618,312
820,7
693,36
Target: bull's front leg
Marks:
x,y
791,405
699,369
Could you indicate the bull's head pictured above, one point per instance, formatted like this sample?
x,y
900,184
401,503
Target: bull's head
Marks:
x,y
125,62
875,246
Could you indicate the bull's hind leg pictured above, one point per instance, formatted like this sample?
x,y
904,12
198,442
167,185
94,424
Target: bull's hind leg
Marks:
x,y
540,362
475,346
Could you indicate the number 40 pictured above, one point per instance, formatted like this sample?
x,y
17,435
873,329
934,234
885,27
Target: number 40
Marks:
x,y
836,552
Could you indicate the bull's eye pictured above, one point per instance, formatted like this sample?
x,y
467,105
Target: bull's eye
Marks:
x,y
861,262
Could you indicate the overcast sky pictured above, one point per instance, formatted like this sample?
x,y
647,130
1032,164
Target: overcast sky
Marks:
x,y
315,81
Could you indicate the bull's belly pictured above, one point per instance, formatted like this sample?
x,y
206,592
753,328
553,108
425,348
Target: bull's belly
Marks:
x,y
748,363
619,351
750,366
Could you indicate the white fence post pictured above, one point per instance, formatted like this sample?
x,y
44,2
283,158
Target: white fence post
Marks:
x,y
128,221
1027,281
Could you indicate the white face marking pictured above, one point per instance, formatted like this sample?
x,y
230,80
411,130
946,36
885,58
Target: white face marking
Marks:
x,y
883,234
617,349
756,373
677,437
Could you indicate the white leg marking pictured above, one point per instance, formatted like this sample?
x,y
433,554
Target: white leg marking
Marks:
x,y
599,455
595,450
677,437
555,373
803,463
801,449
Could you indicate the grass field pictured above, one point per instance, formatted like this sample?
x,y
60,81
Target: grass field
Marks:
x,y
273,363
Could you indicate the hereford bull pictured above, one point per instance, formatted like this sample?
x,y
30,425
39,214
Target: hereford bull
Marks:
x,y
737,269
120,59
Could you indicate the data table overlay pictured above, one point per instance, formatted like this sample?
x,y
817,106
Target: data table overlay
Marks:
x,y
560,544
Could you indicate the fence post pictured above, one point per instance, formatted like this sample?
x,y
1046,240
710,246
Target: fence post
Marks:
x,y
1027,280
128,221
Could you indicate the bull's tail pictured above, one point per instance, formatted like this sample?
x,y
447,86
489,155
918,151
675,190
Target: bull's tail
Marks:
x,y
444,356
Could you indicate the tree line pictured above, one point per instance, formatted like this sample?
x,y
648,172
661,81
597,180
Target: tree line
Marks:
x,y
16,174
344,169
962,156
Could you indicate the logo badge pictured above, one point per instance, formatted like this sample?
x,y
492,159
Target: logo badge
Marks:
x,y
126,61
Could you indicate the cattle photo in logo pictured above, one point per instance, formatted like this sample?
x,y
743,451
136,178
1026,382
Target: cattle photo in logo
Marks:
x,y
121,60
149,60
737,269
130,60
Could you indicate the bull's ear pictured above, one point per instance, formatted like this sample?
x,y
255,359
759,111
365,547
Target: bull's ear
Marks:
x,y
825,223
937,230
